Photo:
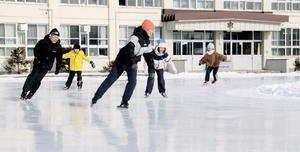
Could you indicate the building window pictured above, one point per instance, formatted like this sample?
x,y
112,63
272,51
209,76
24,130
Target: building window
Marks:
x,y
93,40
253,5
183,42
239,43
285,5
85,2
35,33
26,1
286,42
126,31
140,3
193,4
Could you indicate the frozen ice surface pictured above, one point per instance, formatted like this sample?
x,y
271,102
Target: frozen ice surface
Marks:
x,y
239,113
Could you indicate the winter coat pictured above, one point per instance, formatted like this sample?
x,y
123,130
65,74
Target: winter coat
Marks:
x,y
138,44
45,52
159,61
76,60
213,60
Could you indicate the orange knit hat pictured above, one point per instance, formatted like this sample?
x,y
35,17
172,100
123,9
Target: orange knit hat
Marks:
x,y
147,25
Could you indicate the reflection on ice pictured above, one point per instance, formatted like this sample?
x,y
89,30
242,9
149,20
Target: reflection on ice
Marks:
x,y
226,116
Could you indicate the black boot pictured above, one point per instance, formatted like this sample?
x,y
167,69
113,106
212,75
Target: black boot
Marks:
x,y
94,101
23,95
124,104
29,96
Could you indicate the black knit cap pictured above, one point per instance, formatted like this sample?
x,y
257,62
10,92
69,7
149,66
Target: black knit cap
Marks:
x,y
76,46
54,32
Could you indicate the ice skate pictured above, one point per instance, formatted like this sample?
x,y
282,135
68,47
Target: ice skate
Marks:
x,y
23,95
164,95
147,94
205,82
65,88
79,85
94,101
213,82
124,104
29,96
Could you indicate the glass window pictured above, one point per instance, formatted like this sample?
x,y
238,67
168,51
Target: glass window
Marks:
x,y
94,35
149,3
296,37
2,35
176,36
249,5
32,34
288,51
74,34
244,35
92,2
226,4
122,2
64,34
198,48
30,51
275,6
176,48
296,51
21,38
234,5
8,51
281,51
281,37
10,34
200,4
274,51
288,37
2,51
236,48
131,2
227,48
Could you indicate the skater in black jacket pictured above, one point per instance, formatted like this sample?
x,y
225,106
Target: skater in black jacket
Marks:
x,y
127,59
45,51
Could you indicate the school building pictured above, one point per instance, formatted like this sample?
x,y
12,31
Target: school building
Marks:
x,y
253,34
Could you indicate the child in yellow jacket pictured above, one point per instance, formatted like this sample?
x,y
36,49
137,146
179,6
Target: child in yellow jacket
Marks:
x,y
76,57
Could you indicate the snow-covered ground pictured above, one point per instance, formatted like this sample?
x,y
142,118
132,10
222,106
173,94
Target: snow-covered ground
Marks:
x,y
241,112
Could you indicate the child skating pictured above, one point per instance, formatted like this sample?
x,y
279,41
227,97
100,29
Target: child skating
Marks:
x,y
212,59
160,57
76,57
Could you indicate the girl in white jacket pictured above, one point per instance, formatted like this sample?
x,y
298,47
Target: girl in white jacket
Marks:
x,y
160,57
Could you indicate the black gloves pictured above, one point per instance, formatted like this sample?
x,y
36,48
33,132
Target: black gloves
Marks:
x,y
151,75
134,66
92,64
56,72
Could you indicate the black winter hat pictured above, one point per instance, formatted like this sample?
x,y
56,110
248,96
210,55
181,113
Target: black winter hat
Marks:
x,y
76,46
54,32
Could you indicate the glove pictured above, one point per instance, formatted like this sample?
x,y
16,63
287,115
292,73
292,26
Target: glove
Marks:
x,y
151,75
56,72
92,64
146,71
174,70
134,66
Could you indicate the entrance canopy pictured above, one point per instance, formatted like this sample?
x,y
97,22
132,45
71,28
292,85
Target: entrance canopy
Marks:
x,y
222,21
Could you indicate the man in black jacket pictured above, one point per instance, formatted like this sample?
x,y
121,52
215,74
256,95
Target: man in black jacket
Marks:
x,y
138,44
45,51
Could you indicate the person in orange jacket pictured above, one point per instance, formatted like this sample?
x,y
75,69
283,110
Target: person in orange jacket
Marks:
x,y
212,59
76,57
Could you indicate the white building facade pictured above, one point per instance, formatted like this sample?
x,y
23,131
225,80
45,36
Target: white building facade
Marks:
x,y
248,32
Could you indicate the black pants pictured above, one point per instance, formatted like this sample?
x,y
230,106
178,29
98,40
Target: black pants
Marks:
x,y
116,71
71,76
34,79
160,80
209,69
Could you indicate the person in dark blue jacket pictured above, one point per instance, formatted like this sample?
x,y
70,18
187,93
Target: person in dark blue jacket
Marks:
x,y
45,51
127,59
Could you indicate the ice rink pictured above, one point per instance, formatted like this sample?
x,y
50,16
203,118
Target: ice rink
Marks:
x,y
240,113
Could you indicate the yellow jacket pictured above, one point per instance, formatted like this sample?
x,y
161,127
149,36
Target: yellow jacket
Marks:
x,y
76,60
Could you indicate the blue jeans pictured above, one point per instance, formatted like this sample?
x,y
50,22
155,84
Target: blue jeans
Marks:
x,y
116,71
209,69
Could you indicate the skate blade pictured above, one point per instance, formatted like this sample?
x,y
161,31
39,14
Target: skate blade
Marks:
x,y
122,107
